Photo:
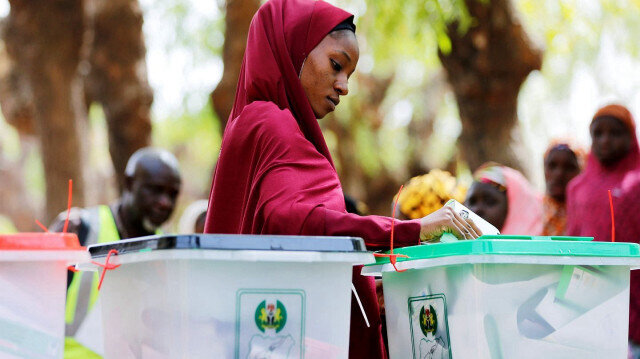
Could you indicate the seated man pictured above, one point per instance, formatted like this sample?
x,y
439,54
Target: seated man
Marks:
x,y
152,183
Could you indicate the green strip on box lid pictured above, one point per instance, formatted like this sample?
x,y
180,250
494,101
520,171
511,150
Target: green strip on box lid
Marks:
x,y
517,245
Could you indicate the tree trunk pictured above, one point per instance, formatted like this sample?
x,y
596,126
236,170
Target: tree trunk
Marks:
x,y
16,202
118,77
486,67
237,21
45,38
377,188
16,99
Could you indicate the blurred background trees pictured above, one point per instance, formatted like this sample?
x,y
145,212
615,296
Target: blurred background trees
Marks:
x,y
440,84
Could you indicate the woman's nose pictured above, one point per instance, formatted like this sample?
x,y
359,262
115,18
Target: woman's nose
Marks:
x,y
342,87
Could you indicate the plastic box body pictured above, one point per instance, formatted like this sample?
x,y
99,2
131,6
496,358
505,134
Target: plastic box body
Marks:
x,y
494,311
509,297
202,302
33,287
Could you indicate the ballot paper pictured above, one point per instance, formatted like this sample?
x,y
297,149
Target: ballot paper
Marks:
x,y
464,212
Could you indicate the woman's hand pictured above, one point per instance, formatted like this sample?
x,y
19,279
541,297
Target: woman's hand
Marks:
x,y
447,220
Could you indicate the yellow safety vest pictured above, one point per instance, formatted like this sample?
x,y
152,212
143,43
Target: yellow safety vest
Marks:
x,y
83,290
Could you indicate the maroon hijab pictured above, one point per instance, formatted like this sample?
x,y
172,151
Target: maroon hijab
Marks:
x,y
281,35
588,212
275,174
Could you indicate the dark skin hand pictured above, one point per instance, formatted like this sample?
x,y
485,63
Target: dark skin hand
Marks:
x,y
200,221
560,167
488,202
610,140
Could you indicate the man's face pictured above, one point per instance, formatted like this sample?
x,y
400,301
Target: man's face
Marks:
x,y
155,189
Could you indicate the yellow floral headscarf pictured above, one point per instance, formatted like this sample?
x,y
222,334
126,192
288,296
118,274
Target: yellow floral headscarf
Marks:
x,y
428,193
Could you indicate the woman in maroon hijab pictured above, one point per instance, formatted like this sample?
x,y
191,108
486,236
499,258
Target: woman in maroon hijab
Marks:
x,y
275,174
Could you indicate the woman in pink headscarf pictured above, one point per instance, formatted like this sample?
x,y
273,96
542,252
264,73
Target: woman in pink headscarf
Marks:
x,y
504,197
613,165
614,155
275,174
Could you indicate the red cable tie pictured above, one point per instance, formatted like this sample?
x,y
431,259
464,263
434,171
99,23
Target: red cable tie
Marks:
x,y
42,226
392,259
69,198
106,266
613,222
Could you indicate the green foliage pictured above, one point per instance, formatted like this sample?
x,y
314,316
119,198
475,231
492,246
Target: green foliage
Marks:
x,y
591,52
410,29
6,226
195,139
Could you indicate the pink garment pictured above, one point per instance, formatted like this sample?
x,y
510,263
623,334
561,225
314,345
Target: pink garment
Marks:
x,y
627,221
524,216
275,174
524,213
588,212
588,209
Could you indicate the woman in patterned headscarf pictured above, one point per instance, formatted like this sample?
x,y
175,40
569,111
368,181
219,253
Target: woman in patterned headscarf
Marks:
x,y
504,197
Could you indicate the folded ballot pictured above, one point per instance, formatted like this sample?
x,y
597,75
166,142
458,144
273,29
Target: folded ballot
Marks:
x,y
464,212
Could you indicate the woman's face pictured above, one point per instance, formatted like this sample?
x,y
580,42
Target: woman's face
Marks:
x,y
326,71
560,166
488,202
610,140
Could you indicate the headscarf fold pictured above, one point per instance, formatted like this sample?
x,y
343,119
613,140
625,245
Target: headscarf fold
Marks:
x,y
281,35
524,214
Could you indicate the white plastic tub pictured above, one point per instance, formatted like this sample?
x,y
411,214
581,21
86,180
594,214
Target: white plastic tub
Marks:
x,y
224,296
509,297
33,279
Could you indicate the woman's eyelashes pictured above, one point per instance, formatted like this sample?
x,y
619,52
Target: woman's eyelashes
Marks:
x,y
336,66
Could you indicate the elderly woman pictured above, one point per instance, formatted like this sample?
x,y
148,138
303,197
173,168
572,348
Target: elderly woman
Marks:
x,y
504,197
275,174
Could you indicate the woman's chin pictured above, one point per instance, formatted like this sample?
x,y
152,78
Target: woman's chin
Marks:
x,y
320,116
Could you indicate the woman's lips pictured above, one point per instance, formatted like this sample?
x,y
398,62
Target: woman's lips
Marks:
x,y
333,102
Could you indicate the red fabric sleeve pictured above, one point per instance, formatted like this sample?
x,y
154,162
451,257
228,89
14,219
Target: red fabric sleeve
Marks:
x,y
375,230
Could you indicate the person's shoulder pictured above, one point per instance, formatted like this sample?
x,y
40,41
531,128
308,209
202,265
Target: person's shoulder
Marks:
x,y
577,183
267,115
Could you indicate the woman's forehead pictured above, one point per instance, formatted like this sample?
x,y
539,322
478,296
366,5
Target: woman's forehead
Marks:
x,y
342,38
561,154
483,189
608,122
